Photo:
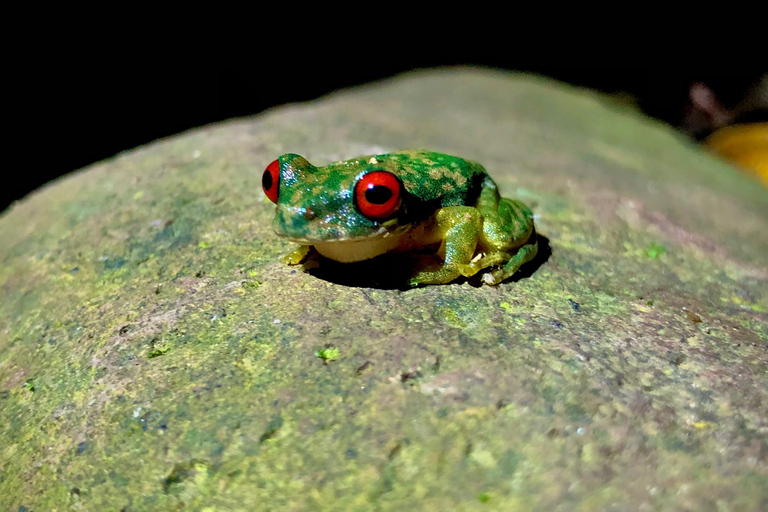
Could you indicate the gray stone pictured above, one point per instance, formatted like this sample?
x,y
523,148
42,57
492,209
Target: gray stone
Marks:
x,y
155,354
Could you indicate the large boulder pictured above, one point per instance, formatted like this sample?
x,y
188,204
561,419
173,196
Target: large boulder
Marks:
x,y
156,354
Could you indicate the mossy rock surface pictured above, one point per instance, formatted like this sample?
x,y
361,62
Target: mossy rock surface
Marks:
x,y
155,354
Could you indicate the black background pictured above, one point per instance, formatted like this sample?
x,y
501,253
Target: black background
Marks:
x,y
73,114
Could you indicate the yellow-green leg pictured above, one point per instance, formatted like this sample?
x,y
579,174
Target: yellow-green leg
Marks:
x,y
488,260
459,227
508,237
297,256
523,255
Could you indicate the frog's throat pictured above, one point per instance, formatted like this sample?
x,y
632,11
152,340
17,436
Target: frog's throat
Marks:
x,y
384,231
355,249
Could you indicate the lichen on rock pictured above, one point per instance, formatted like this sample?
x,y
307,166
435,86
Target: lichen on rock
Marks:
x,y
155,354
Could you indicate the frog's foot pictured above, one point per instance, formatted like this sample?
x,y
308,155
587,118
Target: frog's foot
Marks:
x,y
482,261
298,256
441,276
525,254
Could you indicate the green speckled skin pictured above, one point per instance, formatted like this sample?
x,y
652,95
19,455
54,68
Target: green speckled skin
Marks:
x,y
448,199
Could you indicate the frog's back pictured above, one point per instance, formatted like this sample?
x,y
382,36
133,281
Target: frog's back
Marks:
x,y
435,177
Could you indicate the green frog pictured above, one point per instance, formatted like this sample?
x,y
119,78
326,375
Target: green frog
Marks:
x,y
406,201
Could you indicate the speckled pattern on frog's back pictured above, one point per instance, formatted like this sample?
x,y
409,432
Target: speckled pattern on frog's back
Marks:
x,y
443,180
317,203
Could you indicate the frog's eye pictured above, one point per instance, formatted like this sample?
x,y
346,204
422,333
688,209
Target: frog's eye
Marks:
x,y
270,180
377,194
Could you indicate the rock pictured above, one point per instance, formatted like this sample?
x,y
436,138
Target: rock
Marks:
x,y
155,354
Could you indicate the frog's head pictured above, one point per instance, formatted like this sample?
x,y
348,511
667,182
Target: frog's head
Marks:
x,y
348,201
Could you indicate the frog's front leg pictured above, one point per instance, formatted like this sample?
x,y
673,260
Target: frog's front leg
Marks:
x,y
459,227
297,256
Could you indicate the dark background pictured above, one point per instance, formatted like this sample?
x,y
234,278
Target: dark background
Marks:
x,y
74,115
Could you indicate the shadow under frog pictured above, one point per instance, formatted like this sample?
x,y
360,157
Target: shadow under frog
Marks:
x,y
393,271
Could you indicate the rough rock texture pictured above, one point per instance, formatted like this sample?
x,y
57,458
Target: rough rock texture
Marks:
x,y
155,354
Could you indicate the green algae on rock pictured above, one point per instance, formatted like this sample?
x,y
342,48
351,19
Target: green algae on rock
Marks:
x,y
155,354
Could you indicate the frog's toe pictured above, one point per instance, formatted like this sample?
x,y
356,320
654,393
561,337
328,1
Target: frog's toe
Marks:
x,y
492,278
468,270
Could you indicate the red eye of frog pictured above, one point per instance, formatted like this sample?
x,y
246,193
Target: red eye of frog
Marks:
x,y
270,180
377,194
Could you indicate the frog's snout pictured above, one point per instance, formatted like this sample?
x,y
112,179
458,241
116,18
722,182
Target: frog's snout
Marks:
x,y
295,222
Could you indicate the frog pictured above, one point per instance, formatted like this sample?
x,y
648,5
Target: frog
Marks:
x,y
412,200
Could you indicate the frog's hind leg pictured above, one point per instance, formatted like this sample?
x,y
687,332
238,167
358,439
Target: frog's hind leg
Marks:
x,y
508,237
484,261
510,263
525,254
